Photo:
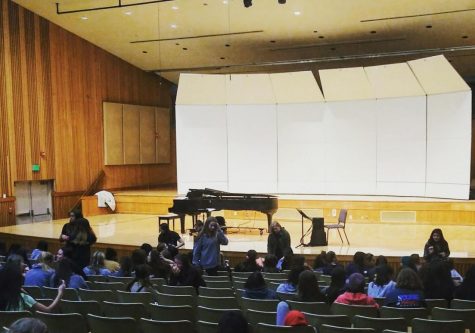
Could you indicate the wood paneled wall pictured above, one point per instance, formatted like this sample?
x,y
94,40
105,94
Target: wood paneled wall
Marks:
x,y
52,85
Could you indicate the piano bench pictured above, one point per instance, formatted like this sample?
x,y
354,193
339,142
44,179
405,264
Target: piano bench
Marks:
x,y
167,219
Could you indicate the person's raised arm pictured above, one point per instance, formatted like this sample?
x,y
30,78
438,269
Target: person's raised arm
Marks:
x,y
222,239
180,243
43,308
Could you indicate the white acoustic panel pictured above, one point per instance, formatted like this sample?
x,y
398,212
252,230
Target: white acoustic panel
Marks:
x,y
201,145
350,147
449,138
202,89
401,145
251,89
252,148
296,87
345,84
301,149
449,191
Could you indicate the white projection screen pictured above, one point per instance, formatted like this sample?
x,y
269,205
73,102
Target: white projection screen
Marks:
x,y
402,129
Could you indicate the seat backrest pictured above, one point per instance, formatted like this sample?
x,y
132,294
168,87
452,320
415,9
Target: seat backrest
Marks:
x,y
97,278
206,327
353,310
60,323
129,297
218,302
216,292
259,304
440,326
134,310
108,286
154,326
168,299
336,329
310,307
342,216
212,315
179,290
268,328
244,275
407,313
33,291
100,324
467,315
97,295
436,302
70,294
212,278
317,320
219,284
164,312
275,276
380,324
462,304
255,317
8,317
81,307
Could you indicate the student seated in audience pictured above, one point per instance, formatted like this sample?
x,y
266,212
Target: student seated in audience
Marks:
x,y
40,273
64,274
97,266
320,262
17,260
285,262
42,246
184,274
66,252
290,286
332,263
416,261
28,325
295,318
437,280
248,265
408,291
383,282
111,262
355,294
408,262
436,247
357,265
456,277
255,287
308,291
270,263
337,285
12,298
141,282
147,248
233,322
466,290
139,257
159,268
125,269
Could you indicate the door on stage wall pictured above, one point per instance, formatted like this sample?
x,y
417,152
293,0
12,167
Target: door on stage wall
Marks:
x,y
33,201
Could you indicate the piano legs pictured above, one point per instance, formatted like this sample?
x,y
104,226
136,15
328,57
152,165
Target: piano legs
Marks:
x,y
269,221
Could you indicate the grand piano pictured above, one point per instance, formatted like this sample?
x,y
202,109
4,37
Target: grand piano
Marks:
x,y
199,201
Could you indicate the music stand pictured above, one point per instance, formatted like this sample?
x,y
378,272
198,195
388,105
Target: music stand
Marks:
x,y
304,216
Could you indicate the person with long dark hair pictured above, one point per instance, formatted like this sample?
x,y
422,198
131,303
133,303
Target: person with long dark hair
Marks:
x,y
81,238
436,247
337,284
383,282
256,288
159,268
184,274
270,263
125,269
206,253
357,265
249,264
64,272
290,286
12,297
467,289
66,231
437,280
278,241
141,281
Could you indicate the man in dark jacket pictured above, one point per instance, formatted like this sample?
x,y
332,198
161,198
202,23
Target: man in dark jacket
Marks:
x,y
278,241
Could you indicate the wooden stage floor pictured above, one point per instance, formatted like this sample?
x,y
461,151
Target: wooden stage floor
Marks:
x,y
389,239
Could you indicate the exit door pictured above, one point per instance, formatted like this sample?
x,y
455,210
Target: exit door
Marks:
x,y
33,201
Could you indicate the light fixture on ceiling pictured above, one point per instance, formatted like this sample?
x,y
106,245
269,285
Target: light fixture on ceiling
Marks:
x,y
282,2
297,13
84,18
175,7
128,13
247,3
173,26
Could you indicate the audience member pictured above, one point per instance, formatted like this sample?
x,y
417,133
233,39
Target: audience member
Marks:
x,y
337,284
466,290
285,262
111,260
248,265
184,274
437,280
357,265
383,282
290,286
278,241
28,325
64,274
408,291
256,288
206,253
139,257
141,281
12,298
42,246
332,263
159,268
320,263
456,277
171,238
80,240
355,294
147,248
436,247
270,263
295,318
233,322
97,266
125,269
40,274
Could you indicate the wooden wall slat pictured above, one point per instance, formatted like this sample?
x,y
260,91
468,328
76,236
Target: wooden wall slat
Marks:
x,y
52,86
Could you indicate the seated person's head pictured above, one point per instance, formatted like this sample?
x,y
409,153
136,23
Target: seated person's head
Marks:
x,y
356,283
164,227
255,281
295,318
233,322
251,255
111,254
28,325
270,261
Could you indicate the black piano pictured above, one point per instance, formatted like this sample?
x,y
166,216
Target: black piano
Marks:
x,y
200,201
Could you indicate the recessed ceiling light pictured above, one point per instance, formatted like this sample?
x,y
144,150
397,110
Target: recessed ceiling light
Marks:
x,y
428,26
84,18
227,45
175,7
128,13
225,2
205,4
272,41
185,48
297,12
173,26
373,31
144,52
315,31
177,43
465,37
333,48
222,58
321,37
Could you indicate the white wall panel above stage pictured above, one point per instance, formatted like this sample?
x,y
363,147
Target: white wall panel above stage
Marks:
x,y
252,148
250,89
296,87
201,146
201,89
301,149
345,84
350,147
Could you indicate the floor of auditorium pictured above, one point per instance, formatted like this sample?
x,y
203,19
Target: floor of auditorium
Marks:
x,y
390,239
